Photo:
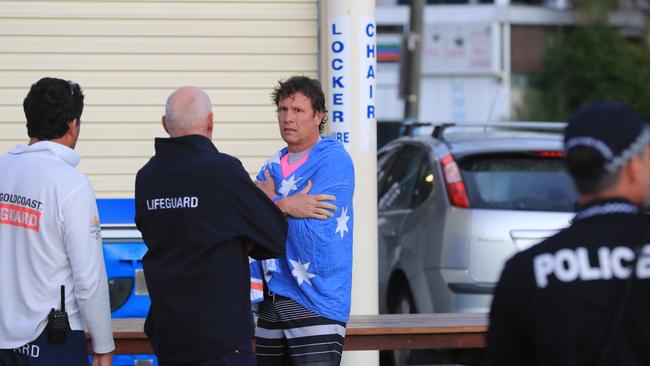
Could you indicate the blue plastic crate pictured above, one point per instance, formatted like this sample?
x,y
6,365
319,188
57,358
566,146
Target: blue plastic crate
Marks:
x,y
114,211
132,360
124,261
123,258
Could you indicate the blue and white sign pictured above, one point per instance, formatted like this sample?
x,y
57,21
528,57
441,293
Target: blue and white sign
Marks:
x,y
340,79
368,81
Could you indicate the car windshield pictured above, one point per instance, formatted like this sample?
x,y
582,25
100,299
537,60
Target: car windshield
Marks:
x,y
518,182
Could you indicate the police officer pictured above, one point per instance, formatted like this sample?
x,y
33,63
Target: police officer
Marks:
x,y
582,297
201,215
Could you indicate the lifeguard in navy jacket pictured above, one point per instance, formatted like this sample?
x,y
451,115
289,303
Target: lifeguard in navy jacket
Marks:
x,y
201,216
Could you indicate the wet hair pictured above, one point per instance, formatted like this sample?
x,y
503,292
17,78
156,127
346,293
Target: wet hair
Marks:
x,y
587,168
310,88
50,106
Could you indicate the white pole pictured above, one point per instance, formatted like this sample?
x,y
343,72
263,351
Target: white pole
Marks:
x,y
506,109
507,103
348,74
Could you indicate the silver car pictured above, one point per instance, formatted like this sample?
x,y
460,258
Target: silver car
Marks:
x,y
456,202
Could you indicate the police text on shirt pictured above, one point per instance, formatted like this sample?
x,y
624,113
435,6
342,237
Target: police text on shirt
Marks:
x,y
568,265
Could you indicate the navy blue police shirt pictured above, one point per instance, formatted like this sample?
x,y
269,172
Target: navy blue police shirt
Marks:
x,y
196,209
554,302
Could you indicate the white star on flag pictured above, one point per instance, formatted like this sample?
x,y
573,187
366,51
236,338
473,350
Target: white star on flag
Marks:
x,y
300,272
268,267
342,222
288,185
273,159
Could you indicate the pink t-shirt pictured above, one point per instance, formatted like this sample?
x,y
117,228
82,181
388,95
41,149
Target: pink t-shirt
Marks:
x,y
288,168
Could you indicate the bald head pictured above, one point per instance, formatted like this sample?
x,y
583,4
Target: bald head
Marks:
x,y
188,112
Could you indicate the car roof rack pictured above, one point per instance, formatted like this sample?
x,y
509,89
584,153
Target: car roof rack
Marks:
x,y
439,128
408,127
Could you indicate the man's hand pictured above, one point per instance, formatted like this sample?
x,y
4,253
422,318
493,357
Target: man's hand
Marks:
x,y
306,206
105,359
267,186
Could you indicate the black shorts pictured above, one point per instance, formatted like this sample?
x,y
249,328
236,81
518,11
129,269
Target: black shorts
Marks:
x,y
289,334
41,353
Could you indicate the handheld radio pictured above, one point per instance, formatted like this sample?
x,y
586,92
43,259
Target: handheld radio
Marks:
x,y
57,323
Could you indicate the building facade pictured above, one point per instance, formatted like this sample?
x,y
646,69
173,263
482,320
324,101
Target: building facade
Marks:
x,y
128,56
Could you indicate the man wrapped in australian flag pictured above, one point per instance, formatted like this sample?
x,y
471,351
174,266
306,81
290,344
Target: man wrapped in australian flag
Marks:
x,y
306,302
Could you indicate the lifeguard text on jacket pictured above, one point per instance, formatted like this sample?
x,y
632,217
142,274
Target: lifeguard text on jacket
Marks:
x,y
172,202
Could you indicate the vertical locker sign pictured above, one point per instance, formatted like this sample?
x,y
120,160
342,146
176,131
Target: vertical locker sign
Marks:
x,y
367,81
340,78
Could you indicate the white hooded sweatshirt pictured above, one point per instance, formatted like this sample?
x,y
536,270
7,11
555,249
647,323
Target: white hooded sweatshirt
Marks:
x,y
49,236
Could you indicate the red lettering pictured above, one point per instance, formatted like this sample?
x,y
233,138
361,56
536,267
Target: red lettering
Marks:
x,y
20,216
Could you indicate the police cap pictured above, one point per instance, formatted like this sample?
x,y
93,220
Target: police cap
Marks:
x,y
613,130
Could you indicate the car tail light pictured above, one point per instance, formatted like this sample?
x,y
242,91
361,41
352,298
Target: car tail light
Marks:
x,y
119,290
454,182
550,154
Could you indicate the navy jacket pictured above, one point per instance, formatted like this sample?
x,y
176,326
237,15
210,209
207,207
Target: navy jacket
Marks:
x,y
554,303
196,208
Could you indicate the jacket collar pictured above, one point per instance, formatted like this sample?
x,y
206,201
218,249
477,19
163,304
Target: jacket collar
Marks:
x,y
606,207
184,145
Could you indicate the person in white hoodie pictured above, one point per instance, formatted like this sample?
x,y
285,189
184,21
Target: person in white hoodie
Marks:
x,y
50,241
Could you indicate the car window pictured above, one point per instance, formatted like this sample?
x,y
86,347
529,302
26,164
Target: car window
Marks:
x,y
401,179
424,184
385,161
518,182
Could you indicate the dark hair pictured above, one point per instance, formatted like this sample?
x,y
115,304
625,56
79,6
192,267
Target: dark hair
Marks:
x,y
587,168
309,87
50,106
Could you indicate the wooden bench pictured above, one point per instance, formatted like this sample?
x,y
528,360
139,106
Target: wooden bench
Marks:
x,y
364,332
416,331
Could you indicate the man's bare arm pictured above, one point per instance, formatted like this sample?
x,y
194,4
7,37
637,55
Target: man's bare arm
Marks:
x,y
105,359
301,205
